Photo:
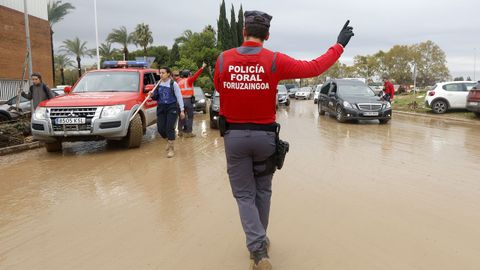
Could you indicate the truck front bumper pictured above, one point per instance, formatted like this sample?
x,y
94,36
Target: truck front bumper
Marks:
x,y
97,128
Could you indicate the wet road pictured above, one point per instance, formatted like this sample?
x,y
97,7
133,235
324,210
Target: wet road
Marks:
x,y
405,195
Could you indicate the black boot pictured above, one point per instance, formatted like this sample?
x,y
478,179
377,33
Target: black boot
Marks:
x,y
261,261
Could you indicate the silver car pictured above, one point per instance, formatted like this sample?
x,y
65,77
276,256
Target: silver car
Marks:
x,y
8,110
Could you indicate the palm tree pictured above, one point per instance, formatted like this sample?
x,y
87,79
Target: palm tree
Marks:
x,y
78,49
121,37
107,52
56,11
62,61
142,36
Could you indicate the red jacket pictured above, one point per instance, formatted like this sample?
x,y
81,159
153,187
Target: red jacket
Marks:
x,y
389,89
186,84
246,78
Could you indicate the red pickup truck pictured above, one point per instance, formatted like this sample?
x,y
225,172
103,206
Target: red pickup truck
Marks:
x,y
99,106
473,99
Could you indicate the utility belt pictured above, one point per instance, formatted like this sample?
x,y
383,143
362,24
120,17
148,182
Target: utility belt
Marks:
x,y
192,99
273,162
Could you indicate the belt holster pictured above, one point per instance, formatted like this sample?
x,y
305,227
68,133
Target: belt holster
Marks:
x,y
276,160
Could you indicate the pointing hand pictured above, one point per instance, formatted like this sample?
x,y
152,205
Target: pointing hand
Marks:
x,y
345,34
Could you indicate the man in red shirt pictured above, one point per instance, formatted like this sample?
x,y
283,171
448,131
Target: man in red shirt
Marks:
x,y
246,79
186,81
388,89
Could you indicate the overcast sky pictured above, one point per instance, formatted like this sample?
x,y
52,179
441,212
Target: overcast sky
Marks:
x,y
303,29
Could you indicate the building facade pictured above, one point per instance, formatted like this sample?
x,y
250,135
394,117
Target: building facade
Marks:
x,y
13,45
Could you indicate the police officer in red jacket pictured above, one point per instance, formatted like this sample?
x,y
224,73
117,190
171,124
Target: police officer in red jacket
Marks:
x,y
186,81
388,89
246,78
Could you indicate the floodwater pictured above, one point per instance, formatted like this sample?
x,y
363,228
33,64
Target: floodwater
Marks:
x,y
405,195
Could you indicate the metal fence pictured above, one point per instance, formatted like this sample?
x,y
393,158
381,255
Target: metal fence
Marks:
x,y
10,88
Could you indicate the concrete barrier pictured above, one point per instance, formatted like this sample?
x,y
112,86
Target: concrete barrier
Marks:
x,y
20,148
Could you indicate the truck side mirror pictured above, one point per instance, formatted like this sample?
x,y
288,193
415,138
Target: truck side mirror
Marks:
x,y
148,88
67,90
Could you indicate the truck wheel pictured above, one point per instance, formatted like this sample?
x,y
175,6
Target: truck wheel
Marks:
x,y
321,111
213,124
383,121
53,147
135,133
340,115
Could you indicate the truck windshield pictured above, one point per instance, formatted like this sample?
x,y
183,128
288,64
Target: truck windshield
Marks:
x,y
108,82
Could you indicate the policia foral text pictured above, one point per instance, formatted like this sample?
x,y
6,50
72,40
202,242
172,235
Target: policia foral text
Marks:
x,y
246,78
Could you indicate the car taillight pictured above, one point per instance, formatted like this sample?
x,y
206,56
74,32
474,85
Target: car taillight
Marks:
x,y
431,93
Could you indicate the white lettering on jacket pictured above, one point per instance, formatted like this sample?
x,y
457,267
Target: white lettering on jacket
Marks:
x,y
246,78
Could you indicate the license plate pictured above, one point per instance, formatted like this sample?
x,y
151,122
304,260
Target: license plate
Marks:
x,y
473,103
69,121
370,113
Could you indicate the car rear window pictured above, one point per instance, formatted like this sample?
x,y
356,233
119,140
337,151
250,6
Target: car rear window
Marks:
x,y
453,87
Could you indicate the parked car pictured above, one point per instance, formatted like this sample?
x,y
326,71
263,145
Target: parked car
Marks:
x,y
289,86
352,100
58,91
292,91
282,95
214,109
200,104
448,95
317,92
8,110
473,99
304,93
377,87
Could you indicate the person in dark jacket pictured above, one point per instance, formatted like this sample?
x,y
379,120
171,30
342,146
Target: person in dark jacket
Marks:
x,y
169,103
246,79
38,91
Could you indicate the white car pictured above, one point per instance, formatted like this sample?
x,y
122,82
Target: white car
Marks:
x,y
448,95
304,93
317,92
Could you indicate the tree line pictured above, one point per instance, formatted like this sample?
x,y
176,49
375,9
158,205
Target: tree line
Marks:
x,y
426,60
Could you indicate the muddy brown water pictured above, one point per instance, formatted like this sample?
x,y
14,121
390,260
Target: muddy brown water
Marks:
x,y
405,195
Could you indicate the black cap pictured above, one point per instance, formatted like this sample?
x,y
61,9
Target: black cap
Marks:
x,y
258,18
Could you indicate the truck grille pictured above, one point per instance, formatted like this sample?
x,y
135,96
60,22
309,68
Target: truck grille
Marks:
x,y
80,112
369,106
73,112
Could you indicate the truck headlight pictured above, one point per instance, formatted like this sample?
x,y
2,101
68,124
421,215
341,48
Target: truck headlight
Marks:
x,y
201,101
112,111
40,113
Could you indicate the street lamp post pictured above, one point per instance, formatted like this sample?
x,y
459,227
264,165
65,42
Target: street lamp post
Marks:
x,y
474,63
96,33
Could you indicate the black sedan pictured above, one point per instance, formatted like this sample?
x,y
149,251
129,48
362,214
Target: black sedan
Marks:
x,y
352,100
